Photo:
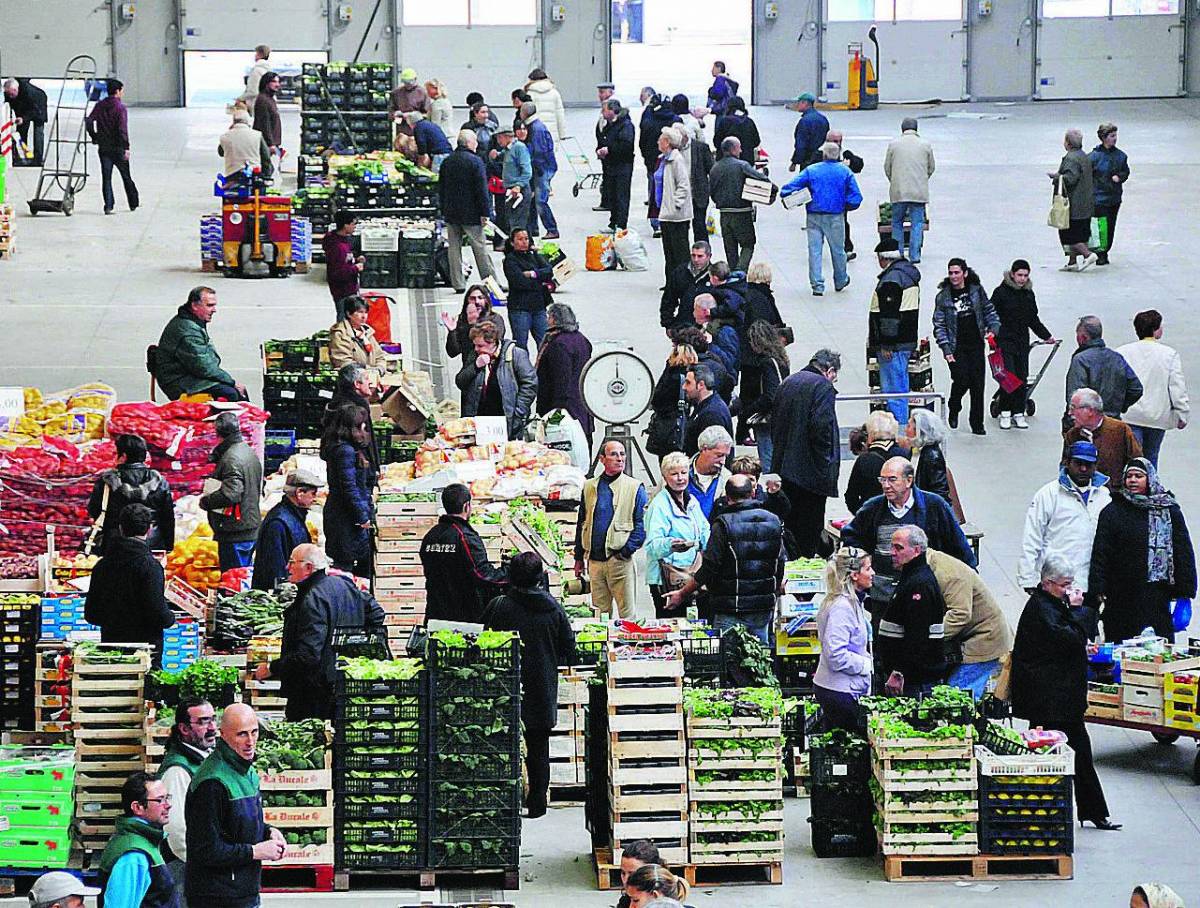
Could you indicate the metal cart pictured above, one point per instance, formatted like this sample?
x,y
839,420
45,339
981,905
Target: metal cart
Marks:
x,y
1163,734
581,166
1030,406
65,170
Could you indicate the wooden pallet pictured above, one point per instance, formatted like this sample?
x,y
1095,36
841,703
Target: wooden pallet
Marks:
x,y
734,873
505,878
297,878
936,869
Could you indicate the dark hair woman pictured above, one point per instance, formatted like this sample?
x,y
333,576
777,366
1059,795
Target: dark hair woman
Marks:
x,y
349,511
651,883
560,362
527,274
773,367
477,305
963,319
1016,307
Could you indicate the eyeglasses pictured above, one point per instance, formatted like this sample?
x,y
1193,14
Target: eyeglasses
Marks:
x,y
205,720
165,799
890,480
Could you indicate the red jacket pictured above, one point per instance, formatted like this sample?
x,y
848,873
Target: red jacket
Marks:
x,y
340,269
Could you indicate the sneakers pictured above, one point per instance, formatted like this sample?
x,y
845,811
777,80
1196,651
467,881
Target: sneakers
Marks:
x,y
1088,262
817,292
1069,266
1005,420
837,289
851,256
1020,422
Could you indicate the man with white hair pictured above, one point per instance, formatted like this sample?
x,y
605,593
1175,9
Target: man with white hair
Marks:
x,y
284,528
909,650
708,474
243,146
726,181
834,192
908,165
1115,442
610,530
432,145
28,103
1096,365
325,603
463,201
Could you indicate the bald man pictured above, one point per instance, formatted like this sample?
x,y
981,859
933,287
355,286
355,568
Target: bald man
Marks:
x,y
227,840
855,163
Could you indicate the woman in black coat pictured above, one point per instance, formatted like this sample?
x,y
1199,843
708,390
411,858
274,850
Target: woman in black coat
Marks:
x,y
547,642
560,362
1142,557
927,437
1016,307
1049,678
664,434
881,429
736,122
527,274
758,402
477,304
349,510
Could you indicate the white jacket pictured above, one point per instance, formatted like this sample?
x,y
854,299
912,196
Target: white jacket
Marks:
x,y
441,113
1160,370
549,105
908,166
677,189
260,69
1058,521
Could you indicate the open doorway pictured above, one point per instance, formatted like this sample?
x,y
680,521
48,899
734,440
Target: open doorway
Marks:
x,y
213,78
671,45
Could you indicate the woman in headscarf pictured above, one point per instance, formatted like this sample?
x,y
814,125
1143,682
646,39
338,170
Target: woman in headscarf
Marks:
x,y
1142,557
1154,895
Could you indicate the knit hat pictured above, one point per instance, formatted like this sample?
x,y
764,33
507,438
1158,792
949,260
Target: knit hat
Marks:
x,y
1083,450
887,248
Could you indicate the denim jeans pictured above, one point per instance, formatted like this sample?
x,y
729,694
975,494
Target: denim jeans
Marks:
x,y
522,323
916,214
757,623
766,447
974,676
1151,441
831,228
541,185
232,555
893,379
106,189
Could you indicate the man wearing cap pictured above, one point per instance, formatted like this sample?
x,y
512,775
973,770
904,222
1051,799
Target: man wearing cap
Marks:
x,y
1062,519
408,95
811,130
232,508
243,146
517,174
892,322
908,166
59,889
604,91
132,870
284,528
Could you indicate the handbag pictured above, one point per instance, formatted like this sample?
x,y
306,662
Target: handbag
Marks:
x,y
675,577
665,434
1060,209
1007,381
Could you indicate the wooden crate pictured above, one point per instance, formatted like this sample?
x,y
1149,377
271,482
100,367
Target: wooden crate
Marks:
x,y
923,748
928,843
931,869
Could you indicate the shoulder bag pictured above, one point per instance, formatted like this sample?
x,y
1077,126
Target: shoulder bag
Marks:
x,y
93,535
665,434
1060,208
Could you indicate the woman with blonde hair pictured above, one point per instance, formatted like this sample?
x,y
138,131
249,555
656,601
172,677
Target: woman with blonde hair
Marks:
x,y
675,197
665,432
845,668
441,111
652,883
676,531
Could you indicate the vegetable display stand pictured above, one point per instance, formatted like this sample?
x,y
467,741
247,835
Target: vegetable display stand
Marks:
x,y
108,712
1026,802
299,801
36,806
403,521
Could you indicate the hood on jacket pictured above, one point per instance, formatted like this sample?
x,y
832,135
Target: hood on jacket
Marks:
x,y
1099,481
136,482
902,266
1011,285
540,86
124,550
534,599
972,280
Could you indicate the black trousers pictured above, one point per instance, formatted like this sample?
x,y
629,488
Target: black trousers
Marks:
x,y
605,186
675,245
620,183
537,765
738,237
106,168
967,374
849,244
806,520
700,223
39,144
1016,360
1089,795
1110,212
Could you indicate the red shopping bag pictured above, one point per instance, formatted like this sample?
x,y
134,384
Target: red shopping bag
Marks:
x,y
1007,381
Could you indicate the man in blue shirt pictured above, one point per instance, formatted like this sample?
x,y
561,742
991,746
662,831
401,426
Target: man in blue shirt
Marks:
x,y
132,871
545,166
432,145
834,192
610,530
811,130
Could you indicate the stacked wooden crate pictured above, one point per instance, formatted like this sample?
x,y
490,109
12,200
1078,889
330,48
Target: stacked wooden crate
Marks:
x,y
265,697
1181,693
108,711
567,738
8,223
52,688
280,790
647,750
1143,681
403,520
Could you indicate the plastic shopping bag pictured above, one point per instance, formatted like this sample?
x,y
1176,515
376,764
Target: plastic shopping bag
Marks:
x,y
599,255
562,432
631,252
1181,614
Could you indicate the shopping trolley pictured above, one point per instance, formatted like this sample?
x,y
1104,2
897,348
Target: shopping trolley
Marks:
x,y
581,166
1031,386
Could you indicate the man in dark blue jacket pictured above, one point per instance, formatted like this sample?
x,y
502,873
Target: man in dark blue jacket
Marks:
x,y
463,200
541,153
811,130
283,529
615,145
432,145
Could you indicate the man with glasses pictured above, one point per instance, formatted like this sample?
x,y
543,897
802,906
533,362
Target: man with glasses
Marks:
x,y
284,528
901,504
193,737
132,870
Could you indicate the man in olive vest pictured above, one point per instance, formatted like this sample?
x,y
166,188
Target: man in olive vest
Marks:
x,y
132,870
610,530
193,737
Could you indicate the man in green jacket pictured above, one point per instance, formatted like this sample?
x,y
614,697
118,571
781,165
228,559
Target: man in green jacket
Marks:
x,y
132,871
186,362
233,509
193,737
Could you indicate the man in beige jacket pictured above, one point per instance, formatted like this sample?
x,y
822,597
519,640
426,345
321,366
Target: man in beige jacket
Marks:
x,y
973,623
908,166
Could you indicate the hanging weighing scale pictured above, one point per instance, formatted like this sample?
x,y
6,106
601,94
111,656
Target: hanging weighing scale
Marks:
x,y
616,387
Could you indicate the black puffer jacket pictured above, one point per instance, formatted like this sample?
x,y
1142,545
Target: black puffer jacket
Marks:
x,y
743,562
931,472
134,483
126,595
1017,310
1049,661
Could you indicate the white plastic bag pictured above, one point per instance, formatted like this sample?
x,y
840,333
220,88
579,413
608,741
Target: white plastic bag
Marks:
x,y
631,252
562,432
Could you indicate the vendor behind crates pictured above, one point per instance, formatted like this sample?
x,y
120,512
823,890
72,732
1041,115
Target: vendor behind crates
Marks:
x,y
459,579
193,737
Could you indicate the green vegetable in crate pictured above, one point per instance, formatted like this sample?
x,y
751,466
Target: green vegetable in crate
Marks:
x,y
98,655
207,680
363,669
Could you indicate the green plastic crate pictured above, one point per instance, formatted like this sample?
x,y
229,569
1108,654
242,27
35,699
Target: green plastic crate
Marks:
x,y
37,808
24,846
47,769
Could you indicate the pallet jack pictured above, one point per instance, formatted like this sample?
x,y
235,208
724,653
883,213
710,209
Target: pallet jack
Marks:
x,y
256,230
862,78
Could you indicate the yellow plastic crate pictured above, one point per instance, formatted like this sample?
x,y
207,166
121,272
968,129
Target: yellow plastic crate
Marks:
x,y
786,645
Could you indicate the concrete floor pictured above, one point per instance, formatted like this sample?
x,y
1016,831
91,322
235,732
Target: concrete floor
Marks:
x,y
102,288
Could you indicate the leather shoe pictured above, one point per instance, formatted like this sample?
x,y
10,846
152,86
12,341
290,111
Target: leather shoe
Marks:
x,y
952,420
1103,823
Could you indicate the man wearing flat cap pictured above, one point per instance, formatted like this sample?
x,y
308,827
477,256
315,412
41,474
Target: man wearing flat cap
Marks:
x,y
811,130
284,528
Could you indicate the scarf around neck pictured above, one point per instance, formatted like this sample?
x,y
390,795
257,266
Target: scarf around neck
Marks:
x,y
1157,504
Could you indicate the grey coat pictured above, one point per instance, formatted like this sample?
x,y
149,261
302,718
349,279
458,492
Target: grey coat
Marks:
x,y
726,180
1097,366
1075,174
233,511
945,319
518,386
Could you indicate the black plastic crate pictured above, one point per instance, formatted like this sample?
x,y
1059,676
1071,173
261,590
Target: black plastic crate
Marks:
x,y
377,784
481,810
843,839
495,670
703,659
838,765
1027,838
379,760
475,767
590,652
350,711
395,832
849,801
493,852
381,688
1010,791
381,860
997,743
596,807
376,807
375,736
796,672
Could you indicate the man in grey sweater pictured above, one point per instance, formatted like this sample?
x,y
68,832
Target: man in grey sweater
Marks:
x,y
726,180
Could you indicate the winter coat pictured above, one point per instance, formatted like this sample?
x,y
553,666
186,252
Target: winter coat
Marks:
x,y
224,823
893,319
266,119
1049,661
232,509
254,82
722,91
1106,164
700,159
517,169
682,287
1119,571
284,528
910,638
462,188
771,378
726,180
761,305
186,361
108,127
809,136
527,294
347,345
518,386
345,394
241,145
1105,371
864,475
459,579
712,411
666,522
341,271
945,318
560,362
1115,444
741,127
677,188
1058,520
974,625
549,104
134,483
1016,307
430,139
352,477
441,113
656,116
844,630
743,561
458,341
1164,401
305,667
1075,182
618,137
547,643
908,165
30,103
932,474
833,187
541,147
125,597
805,434
727,347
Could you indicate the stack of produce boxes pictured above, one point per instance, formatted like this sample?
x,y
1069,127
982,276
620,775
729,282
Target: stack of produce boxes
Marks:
x,y
18,651
1025,799
1180,693
108,711
403,519
797,653
52,688
647,772
8,239
293,761
735,782
475,750
359,91
840,767
381,765
36,806
567,738
1144,670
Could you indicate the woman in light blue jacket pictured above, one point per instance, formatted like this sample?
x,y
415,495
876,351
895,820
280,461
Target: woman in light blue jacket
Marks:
x,y
844,629
676,528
